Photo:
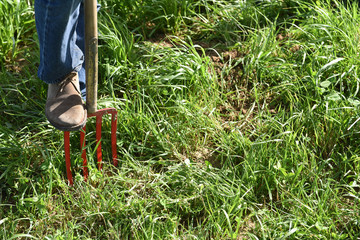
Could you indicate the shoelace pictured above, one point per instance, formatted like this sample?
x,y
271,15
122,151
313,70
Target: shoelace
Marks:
x,y
69,79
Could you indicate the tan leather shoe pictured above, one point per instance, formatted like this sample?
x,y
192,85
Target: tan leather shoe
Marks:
x,y
64,107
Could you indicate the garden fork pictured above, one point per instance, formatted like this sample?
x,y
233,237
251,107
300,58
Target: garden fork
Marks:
x,y
91,68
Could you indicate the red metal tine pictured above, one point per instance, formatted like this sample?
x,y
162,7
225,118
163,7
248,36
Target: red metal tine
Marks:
x,y
83,153
67,157
113,136
98,139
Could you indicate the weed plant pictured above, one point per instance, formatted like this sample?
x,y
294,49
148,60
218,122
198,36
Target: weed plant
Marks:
x,y
237,120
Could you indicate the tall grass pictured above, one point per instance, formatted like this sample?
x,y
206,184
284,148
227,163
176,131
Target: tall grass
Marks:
x,y
237,120
17,27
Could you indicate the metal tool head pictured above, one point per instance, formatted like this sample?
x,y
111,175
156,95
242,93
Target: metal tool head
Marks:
x,y
99,116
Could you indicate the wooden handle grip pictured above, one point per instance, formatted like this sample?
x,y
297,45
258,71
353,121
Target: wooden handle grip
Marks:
x,y
91,55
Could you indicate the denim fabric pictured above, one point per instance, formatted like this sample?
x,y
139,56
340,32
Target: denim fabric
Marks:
x,y
60,27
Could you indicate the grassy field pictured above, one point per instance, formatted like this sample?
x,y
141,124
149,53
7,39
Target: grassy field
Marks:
x,y
237,120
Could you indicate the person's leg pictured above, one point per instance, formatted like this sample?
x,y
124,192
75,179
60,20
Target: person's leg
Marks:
x,y
56,23
60,61
80,42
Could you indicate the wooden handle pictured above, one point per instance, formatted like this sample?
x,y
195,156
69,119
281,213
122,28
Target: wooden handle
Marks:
x,y
91,55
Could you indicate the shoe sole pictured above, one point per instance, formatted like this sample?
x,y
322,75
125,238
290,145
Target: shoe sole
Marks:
x,y
69,128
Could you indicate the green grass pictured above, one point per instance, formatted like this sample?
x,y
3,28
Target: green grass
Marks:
x,y
237,120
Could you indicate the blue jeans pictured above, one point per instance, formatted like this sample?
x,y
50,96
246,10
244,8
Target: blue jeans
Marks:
x,y
60,27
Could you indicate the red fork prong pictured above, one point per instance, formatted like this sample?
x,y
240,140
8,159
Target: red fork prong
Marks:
x,y
98,140
113,137
83,152
67,157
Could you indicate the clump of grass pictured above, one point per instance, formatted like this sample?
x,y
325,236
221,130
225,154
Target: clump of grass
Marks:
x,y
17,28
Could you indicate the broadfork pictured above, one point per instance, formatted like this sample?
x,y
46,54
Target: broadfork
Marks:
x,y
91,68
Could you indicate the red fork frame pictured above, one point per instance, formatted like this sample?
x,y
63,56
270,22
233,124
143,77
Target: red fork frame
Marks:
x,y
99,115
